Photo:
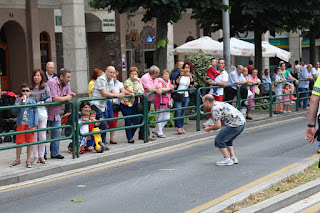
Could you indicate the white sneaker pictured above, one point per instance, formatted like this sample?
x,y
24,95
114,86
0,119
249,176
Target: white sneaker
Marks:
x,y
289,111
225,162
235,160
209,121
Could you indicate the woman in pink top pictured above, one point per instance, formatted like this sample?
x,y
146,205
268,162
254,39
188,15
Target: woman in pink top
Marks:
x,y
254,78
161,102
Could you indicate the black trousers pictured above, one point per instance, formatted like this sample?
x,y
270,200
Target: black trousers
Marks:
x,y
229,94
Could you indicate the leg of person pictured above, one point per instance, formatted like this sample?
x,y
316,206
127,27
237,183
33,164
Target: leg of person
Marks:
x,y
185,104
127,121
159,126
157,129
103,125
178,105
225,137
35,148
229,93
29,138
113,125
135,121
243,94
300,96
237,131
55,133
305,101
20,139
42,137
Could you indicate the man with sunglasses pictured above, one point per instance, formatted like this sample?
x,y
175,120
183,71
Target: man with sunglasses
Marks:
x,y
60,92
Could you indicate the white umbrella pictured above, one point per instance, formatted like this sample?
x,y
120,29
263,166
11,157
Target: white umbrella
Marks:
x,y
202,45
273,51
246,48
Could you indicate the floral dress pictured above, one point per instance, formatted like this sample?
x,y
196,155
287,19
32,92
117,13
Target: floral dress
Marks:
x,y
252,89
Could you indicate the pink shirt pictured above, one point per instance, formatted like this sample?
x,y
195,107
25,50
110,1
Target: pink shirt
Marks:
x,y
165,97
56,91
148,82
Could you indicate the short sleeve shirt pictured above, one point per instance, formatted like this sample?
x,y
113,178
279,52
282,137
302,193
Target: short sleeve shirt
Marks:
x,y
56,91
235,77
227,114
220,78
101,83
147,82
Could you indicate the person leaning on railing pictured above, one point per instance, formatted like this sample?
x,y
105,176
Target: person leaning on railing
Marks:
x,y
41,94
96,73
161,102
128,106
304,81
255,80
288,77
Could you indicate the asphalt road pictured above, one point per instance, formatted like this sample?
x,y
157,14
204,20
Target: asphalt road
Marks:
x,y
171,182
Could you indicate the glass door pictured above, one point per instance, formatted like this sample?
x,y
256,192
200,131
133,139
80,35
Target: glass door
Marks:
x,y
4,67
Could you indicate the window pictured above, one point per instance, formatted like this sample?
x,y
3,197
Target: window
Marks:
x,y
44,49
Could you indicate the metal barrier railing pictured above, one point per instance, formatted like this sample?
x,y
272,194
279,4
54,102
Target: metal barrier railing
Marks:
x,y
147,118
38,130
145,121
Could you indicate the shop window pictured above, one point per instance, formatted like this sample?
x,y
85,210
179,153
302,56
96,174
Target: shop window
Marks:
x,y
44,49
149,59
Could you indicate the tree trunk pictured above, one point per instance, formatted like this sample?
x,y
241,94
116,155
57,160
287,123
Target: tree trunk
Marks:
x,y
312,47
258,52
161,53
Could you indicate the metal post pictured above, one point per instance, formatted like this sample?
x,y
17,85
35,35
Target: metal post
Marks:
x,y
226,36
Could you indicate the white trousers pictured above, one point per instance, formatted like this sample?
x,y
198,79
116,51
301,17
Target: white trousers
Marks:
x,y
38,150
160,126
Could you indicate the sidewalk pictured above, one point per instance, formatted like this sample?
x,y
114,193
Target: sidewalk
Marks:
x,y
122,149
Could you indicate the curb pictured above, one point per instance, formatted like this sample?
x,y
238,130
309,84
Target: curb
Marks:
x,y
18,176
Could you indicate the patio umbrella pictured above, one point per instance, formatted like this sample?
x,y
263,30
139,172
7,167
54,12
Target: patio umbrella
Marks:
x,y
246,48
202,45
273,51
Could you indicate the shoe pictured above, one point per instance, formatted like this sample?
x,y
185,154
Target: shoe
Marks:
x,y
276,112
180,131
131,141
248,118
235,160
15,163
151,139
106,149
29,164
141,137
58,157
289,111
45,157
43,161
284,111
209,121
305,107
35,161
281,113
82,152
183,131
293,98
293,102
225,162
112,142
162,136
88,150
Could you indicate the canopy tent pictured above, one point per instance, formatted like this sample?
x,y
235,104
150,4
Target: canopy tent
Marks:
x,y
202,45
273,51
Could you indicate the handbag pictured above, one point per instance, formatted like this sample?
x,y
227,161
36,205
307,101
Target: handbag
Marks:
x,y
177,97
257,90
116,107
42,113
139,106
171,103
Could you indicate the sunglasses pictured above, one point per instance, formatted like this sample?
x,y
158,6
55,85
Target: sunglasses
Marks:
x,y
25,90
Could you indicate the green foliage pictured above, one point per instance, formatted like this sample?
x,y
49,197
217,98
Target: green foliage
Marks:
x,y
262,101
162,43
201,64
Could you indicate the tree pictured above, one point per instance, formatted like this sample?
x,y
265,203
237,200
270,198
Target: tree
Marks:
x,y
165,11
259,16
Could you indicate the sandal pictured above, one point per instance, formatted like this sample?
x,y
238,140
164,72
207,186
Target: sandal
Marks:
x,y
131,141
35,161
29,164
183,131
162,136
43,161
151,139
15,163
112,142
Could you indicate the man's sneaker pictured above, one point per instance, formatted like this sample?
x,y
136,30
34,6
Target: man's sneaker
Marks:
x,y
225,162
235,160
209,121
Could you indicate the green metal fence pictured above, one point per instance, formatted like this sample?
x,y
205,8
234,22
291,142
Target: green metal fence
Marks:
x,y
38,130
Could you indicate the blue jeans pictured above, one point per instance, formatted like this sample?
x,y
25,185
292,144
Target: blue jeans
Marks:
x,y
103,125
55,133
126,110
180,113
303,95
226,136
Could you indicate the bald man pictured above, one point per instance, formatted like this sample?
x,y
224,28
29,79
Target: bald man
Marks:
x,y
104,87
232,123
